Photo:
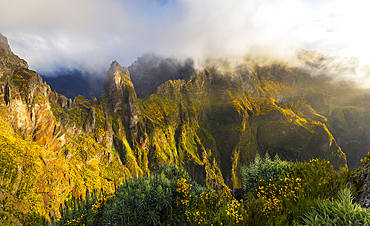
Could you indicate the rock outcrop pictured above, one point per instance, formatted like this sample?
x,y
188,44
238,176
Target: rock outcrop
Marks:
x,y
122,97
4,45
360,177
364,195
7,58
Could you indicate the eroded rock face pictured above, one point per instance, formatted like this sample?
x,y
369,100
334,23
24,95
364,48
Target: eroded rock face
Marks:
x,y
4,44
118,77
27,97
199,113
20,116
89,124
122,97
7,58
298,141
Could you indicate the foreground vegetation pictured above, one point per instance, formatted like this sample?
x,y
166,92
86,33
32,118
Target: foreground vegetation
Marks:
x,y
275,192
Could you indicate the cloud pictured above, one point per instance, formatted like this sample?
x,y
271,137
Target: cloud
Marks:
x,y
89,34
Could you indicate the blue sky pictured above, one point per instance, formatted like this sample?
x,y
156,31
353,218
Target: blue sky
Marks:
x,y
162,2
89,34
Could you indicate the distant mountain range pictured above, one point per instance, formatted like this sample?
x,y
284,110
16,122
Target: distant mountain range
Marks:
x,y
147,73
74,83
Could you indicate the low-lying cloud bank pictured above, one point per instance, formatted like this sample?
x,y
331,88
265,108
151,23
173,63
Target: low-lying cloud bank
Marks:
x,y
89,34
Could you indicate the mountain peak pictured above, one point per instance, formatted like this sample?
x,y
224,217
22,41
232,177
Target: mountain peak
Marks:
x,y
7,57
115,65
4,43
3,39
117,76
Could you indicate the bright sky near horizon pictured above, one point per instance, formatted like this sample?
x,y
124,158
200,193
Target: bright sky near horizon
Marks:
x,y
89,34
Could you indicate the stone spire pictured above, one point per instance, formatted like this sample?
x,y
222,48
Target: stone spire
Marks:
x,y
117,78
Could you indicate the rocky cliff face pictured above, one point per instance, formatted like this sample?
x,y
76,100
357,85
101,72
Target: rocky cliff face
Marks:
x,y
122,97
209,124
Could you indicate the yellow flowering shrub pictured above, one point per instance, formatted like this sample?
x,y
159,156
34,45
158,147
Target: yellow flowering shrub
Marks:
x,y
100,203
76,222
201,213
196,217
210,208
285,198
235,212
183,192
275,194
319,178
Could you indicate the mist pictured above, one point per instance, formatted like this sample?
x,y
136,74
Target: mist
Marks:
x,y
86,35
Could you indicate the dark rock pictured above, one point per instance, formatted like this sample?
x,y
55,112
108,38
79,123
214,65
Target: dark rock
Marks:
x,y
7,95
238,194
72,83
89,124
250,113
68,154
122,97
69,103
362,178
62,101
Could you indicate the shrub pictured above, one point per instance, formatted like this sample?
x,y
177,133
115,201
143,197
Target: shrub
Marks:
x,y
277,202
284,191
263,169
173,173
196,205
210,208
138,201
141,201
319,179
82,211
278,194
337,212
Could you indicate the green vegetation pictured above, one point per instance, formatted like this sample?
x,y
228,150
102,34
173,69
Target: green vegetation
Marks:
x,y
20,166
81,211
264,169
34,181
276,193
280,192
341,211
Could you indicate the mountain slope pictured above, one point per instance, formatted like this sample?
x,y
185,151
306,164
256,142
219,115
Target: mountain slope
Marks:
x,y
209,124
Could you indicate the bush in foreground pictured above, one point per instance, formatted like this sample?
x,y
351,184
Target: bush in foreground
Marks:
x,y
280,193
276,193
337,212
